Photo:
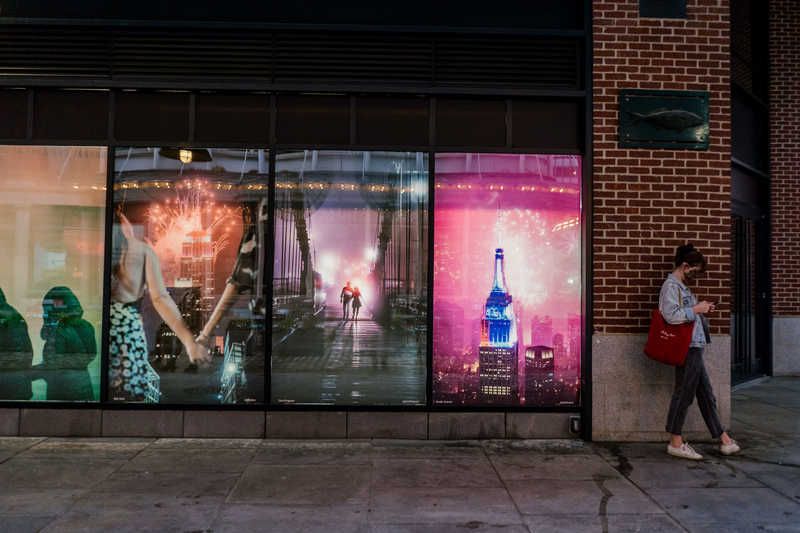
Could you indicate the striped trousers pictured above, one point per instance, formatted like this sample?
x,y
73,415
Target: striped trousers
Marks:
x,y
691,380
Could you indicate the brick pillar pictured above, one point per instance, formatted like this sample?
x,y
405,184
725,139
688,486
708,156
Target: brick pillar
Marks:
x,y
784,111
647,202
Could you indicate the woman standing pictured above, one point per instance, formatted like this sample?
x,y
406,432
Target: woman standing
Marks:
x,y
135,266
356,302
678,305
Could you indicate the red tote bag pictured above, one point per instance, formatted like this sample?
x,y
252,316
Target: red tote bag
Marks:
x,y
668,343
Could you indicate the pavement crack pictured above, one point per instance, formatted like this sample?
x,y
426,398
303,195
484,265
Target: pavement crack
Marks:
x,y
755,476
607,495
505,485
25,449
623,465
752,459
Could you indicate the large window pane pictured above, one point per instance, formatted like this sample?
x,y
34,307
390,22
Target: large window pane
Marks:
x,y
52,200
507,280
187,297
350,278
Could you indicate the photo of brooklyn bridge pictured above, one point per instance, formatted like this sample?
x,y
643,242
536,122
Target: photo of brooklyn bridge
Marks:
x,y
350,278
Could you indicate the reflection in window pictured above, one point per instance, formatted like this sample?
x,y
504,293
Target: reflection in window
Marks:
x,y
350,278
53,204
187,299
507,280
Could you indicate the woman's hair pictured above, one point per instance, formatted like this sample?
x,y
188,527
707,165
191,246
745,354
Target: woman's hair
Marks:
x,y
687,253
119,253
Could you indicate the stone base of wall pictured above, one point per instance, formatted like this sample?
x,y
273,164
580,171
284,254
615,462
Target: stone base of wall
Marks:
x,y
786,345
65,422
631,393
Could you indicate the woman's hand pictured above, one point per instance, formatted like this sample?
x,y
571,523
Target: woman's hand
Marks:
x,y
703,307
203,340
198,354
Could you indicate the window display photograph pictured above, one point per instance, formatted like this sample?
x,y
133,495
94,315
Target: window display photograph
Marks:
x,y
350,278
51,281
507,280
187,308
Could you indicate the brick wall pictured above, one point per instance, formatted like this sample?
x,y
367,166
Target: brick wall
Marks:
x,y
647,202
784,102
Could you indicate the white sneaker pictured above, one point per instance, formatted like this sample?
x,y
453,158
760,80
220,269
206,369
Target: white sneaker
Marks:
x,y
684,451
730,449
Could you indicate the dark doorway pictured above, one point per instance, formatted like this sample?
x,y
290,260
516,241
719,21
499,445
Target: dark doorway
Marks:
x,y
750,339
751,335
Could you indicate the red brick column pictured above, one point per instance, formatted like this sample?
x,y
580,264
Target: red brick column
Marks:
x,y
784,110
647,202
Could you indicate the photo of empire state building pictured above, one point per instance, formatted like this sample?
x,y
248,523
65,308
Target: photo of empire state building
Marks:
x,y
499,345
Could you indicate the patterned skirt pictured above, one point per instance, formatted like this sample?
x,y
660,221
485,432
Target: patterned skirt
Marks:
x,y
130,376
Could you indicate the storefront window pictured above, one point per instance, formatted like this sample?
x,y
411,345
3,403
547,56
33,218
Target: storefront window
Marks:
x,y
507,280
51,283
350,278
187,309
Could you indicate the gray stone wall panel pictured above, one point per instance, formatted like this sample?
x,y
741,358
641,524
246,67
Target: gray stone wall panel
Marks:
x,y
60,422
387,425
306,425
224,424
456,426
631,393
786,345
9,422
142,423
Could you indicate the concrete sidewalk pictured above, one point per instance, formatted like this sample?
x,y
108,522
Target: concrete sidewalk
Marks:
x,y
506,486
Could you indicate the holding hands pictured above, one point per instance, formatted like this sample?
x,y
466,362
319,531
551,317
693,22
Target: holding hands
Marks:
x,y
198,351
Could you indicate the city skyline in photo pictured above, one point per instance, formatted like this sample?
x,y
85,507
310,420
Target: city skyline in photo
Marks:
x,y
526,225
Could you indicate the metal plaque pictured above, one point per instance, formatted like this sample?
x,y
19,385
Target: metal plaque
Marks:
x,y
663,119
668,9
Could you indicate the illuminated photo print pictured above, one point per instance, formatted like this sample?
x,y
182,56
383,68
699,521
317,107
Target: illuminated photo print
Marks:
x,y
52,200
187,313
350,278
507,280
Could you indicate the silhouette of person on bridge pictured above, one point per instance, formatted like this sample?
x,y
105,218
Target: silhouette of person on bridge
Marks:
x,y
356,302
345,296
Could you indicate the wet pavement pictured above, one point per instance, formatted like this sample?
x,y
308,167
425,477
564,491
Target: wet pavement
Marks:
x,y
422,486
353,362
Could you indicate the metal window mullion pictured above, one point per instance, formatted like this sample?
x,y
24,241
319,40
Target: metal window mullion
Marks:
x,y
268,276
107,259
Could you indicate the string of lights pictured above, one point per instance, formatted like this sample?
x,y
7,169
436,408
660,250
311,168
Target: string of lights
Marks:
x,y
283,185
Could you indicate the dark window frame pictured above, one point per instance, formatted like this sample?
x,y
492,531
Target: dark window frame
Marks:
x,y
428,406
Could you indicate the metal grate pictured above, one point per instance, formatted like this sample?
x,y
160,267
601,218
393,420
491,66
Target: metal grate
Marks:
x,y
197,55
499,60
357,57
746,360
67,52
142,53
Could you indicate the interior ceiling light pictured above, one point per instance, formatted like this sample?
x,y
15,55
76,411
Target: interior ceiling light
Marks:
x,y
186,155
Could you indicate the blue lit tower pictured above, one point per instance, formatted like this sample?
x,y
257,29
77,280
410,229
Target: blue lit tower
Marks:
x,y
499,346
